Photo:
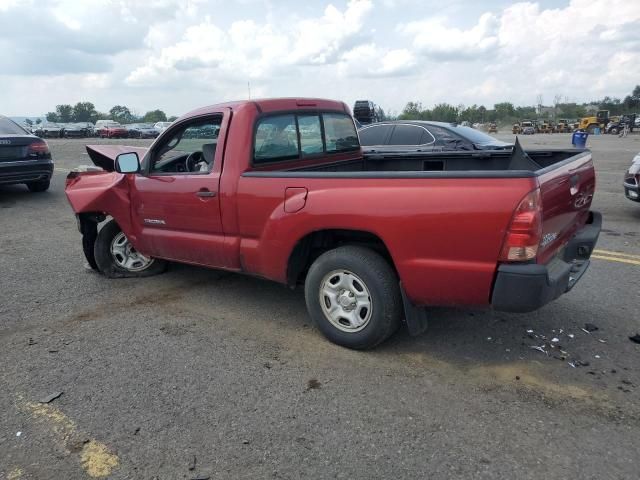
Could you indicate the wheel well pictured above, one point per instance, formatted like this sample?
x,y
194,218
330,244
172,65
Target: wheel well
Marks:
x,y
310,247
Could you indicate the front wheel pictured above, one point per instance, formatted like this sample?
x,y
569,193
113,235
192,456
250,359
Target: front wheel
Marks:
x,y
353,297
39,186
117,258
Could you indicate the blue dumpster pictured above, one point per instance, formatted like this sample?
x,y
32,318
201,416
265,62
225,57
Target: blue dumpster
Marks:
x,y
579,139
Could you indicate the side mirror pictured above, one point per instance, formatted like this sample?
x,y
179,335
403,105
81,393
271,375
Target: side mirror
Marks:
x,y
127,163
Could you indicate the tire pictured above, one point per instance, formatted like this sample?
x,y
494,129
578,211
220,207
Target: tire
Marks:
x,y
111,265
613,131
365,323
40,186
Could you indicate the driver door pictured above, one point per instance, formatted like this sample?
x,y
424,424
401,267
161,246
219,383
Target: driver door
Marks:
x,y
175,203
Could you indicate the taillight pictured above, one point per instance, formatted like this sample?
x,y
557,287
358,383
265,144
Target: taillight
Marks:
x,y
525,230
38,148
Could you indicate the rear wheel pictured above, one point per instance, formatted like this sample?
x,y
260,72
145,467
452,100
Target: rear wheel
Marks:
x,y
613,131
40,186
353,297
116,257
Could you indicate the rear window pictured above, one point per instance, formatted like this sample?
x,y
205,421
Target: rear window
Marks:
x,y
340,133
8,127
291,136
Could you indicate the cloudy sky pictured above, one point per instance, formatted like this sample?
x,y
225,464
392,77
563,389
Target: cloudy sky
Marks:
x,y
180,54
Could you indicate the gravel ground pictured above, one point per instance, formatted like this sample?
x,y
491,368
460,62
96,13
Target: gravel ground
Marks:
x,y
228,369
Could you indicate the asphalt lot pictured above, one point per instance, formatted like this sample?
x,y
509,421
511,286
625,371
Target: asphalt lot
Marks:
x,y
229,369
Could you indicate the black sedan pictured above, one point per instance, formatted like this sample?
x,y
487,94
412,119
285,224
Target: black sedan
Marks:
x,y
24,158
425,136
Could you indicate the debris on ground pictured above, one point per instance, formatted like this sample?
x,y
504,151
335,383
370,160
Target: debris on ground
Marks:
x,y
51,398
31,341
590,327
245,442
201,477
540,349
635,338
192,465
313,384
555,339
18,434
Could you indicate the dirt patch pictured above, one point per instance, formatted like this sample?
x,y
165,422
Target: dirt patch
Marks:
x,y
95,457
175,330
97,460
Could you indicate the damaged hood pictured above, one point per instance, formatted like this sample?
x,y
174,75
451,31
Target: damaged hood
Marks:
x,y
104,156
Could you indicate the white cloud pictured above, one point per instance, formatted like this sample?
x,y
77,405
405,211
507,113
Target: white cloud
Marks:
x,y
247,49
433,37
178,54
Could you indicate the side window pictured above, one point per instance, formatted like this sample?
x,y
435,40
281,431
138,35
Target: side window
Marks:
x,y
445,138
310,135
406,135
340,133
276,139
427,138
375,135
188,149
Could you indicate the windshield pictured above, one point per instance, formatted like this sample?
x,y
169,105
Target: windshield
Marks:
x,y
473,135
7,127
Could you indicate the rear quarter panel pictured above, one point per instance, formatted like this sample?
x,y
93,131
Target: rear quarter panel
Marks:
x,y
444,234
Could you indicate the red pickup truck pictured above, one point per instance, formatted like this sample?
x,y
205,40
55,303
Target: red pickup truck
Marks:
x,y
281,189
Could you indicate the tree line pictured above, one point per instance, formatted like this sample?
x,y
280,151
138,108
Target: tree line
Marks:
x,y
86,112
506,112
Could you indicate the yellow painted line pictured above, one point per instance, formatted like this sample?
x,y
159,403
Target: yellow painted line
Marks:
x,y
616,259
616,254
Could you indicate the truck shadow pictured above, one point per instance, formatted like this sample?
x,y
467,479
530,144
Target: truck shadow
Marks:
x,y
461,336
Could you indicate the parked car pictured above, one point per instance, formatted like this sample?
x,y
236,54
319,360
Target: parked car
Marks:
x,y
49,130
632,180
425,136
24,158
142,130
373,237
75,130
527,128
161,126
112,130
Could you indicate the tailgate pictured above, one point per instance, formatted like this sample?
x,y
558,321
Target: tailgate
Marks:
x,y
567,191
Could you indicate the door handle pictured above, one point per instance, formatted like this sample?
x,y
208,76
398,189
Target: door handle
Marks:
x,y
206,193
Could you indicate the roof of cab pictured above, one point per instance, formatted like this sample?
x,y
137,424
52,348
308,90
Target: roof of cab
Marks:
x,y
272,105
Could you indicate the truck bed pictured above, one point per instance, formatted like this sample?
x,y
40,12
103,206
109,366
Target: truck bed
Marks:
x,y
494,164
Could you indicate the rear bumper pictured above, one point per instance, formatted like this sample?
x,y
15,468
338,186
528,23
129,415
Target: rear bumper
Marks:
x,y
632,192
524,288
25,171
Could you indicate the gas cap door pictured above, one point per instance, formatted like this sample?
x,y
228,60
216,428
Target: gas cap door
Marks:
x,y
295,199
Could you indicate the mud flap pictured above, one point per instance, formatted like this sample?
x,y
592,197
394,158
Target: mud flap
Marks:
x,y
88,227
415,317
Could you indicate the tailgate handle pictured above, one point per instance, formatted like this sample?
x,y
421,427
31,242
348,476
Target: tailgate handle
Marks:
x,y
574,181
